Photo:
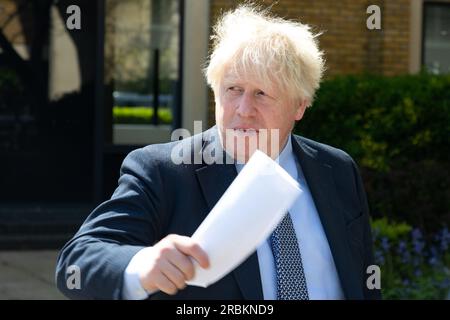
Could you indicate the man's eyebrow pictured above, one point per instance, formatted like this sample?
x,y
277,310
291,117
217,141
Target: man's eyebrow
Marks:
x,y
232,83
232,79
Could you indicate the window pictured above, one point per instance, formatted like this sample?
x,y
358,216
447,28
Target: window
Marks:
x,y
436,44
142,66
46,105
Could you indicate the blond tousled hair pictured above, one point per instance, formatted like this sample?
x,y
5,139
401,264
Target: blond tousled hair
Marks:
x,y
249,41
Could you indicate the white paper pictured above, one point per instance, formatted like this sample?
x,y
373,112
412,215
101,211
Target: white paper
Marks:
x,y
244,217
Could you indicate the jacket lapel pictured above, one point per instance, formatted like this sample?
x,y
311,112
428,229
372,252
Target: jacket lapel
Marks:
x,y
323,189
214,179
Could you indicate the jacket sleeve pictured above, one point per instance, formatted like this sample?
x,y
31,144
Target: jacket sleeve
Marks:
x,y
114,232
371,294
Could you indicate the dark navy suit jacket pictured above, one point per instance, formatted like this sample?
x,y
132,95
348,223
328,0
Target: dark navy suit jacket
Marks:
x,y
156,197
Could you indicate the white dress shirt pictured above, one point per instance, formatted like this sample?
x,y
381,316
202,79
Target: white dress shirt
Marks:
x,y
318,264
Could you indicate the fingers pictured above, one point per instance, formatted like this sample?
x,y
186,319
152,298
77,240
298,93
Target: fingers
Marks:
x,y
188,247
183,263
162,283
170,265
173,274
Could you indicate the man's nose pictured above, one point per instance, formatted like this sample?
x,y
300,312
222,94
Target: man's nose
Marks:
x,y
246,105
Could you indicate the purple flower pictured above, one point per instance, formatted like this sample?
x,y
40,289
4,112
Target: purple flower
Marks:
x,y
402,251
445,233
433,261
406,257
418,246
445,284
418,272
434,257
416,234
417,241
385,244
445,238
401,248
379,258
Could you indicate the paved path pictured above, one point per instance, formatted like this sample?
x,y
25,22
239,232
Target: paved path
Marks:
x,y
28,275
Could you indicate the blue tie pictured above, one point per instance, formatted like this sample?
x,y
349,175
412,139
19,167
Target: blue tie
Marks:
x,y
291,282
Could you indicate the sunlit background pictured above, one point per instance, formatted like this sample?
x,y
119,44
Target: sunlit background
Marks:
x,y
73,103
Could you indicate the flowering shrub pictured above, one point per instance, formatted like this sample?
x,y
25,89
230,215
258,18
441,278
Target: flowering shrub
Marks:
x,y
412,266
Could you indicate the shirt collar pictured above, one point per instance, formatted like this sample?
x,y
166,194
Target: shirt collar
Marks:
x,y
286,154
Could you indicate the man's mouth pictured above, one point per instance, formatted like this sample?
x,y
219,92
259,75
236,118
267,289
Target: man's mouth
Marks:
x,y
246,130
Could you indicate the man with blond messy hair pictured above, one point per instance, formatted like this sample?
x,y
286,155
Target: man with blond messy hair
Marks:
x,y
264,72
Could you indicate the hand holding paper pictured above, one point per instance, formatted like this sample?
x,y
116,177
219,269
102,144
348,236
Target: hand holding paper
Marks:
x,y
244,216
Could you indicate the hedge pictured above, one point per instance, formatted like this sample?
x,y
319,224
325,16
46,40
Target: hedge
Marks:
x,y
397,129
140,115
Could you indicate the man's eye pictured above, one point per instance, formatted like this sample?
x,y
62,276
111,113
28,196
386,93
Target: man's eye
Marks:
x,y
260,93
234,89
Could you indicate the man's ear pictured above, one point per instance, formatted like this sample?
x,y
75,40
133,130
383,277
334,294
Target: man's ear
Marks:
x,y
300,109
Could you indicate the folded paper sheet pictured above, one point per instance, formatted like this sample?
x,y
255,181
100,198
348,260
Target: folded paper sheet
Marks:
x,y
244,217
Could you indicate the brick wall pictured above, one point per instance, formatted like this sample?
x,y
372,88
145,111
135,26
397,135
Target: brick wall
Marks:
x,y
348,45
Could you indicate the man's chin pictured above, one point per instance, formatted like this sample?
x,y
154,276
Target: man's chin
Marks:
x,y
242,157
241,145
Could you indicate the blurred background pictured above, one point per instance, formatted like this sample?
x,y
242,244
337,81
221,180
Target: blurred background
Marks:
x,y
75,99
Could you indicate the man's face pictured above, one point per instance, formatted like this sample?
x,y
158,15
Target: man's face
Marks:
x,y
244,108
